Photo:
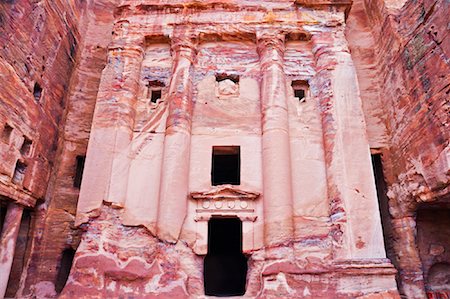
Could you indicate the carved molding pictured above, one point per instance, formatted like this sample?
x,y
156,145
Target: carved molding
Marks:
x,y
225,200
225,192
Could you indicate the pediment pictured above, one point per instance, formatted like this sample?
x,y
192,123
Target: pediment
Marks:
x,y
224,192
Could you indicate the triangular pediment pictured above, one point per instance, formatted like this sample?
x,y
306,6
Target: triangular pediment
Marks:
x,y
225,192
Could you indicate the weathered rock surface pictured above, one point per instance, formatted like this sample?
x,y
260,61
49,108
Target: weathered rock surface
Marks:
x,y
144,95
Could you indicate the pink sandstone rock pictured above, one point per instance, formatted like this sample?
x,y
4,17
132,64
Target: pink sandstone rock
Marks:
x,y
133,134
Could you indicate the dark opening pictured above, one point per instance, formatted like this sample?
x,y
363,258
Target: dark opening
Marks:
x,y
433,242
384,207
26,146
226,164
37,92
64,269
21,254
222,77
299,93
79,171
156,95
154,90
19,172
3,210
300,88
6,134
225,266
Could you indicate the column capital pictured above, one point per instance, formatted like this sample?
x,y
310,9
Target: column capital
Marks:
x,y
184,42
270,40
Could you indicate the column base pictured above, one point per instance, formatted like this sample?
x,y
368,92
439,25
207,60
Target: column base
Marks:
x,y
339,279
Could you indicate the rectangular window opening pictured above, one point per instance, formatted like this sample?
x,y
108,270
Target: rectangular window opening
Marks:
x,y
226,165
19,172
155,95
6,134
154,90
300,88
79,171
26,146
299,93
224,76
37,92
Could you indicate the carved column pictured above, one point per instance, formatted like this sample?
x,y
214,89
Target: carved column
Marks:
x,y
8,240
107,160
177,142
354,212
407,257
276,155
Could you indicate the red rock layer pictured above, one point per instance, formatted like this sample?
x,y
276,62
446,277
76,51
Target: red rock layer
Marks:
x,y
39,43
401,53
405,47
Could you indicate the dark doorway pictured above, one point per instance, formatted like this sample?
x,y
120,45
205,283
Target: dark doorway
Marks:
x,y
226,164
64,269
225,267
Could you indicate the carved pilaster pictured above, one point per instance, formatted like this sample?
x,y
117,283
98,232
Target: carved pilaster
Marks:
x,y
107,159
175,166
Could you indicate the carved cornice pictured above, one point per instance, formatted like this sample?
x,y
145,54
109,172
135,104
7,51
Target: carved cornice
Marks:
x,y
225,192
184,41
132,7
314,3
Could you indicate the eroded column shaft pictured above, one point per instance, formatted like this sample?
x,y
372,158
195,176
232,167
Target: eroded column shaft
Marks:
x,y
107,160
177,142
8,241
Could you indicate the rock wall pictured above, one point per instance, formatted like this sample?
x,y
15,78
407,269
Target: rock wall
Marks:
x,y
39,45
55,218
69,64
401,51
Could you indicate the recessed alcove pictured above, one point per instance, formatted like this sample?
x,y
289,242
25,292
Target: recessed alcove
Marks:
x,y
6,133
154,91
80,161
26,146
19,172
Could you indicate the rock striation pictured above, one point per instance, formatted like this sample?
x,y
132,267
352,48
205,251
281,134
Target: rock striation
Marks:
x,y
188,149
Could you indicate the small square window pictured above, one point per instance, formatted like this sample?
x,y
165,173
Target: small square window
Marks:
x,y
301,89
299,93
155,95
154,91
226,165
